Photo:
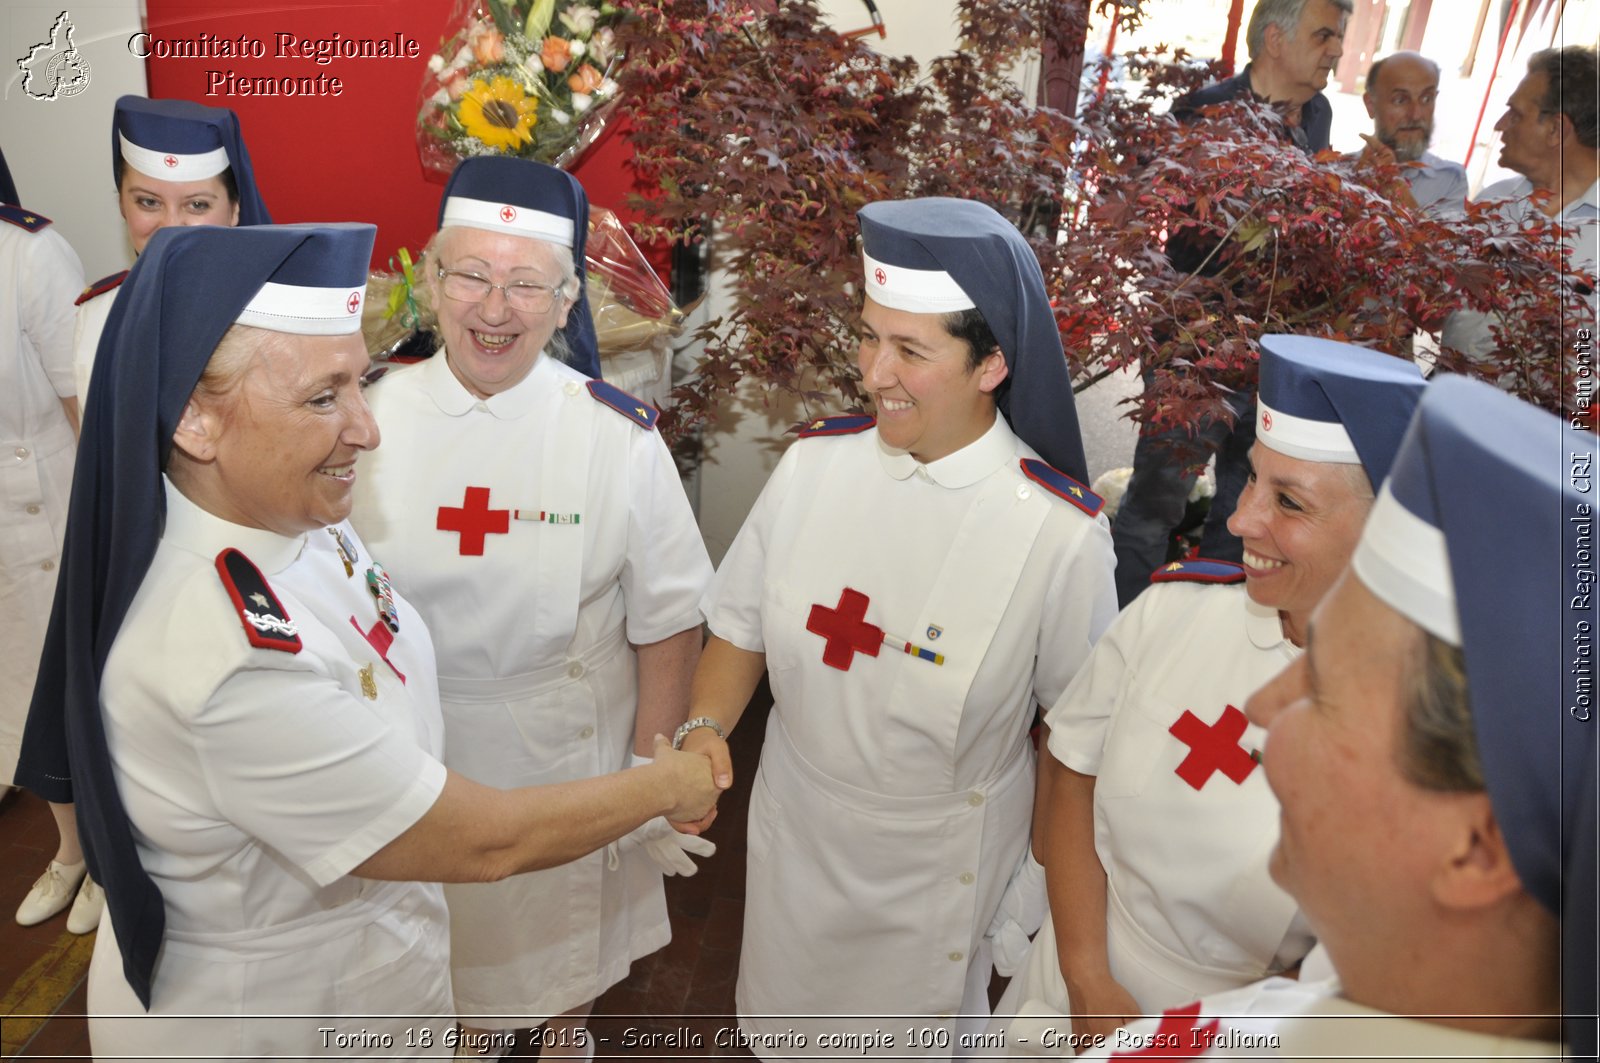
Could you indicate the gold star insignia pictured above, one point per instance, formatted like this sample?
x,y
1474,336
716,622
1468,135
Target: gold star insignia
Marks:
x,y
29,218
639,410
1077,493
816,425
260,599
1175,567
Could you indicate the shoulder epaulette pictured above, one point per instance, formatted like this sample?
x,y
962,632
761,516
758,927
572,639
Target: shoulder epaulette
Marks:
x,y
266,622
23,218
638,411
1198,570
101,286
1060,484
844,425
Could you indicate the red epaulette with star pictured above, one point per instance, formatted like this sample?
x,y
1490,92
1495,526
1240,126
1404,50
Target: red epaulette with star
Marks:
x,y
844,425
638,411
22,217
266,622
1061,485
1198,570
101,286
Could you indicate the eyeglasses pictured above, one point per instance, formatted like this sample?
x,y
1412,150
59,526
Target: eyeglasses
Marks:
x,y
525,296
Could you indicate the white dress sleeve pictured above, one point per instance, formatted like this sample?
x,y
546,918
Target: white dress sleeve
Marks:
x,y
666,569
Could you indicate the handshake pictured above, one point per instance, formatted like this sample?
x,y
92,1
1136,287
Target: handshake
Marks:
x,y
691,782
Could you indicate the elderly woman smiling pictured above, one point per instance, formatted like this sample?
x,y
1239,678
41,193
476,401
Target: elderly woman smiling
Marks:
x,y
251,720
537,521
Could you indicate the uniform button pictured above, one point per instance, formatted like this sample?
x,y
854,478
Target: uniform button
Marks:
x,y
575,669
968,878
572,387
975,800
957,957
21,452
481,407
48,566
587,732
33,511
1023,492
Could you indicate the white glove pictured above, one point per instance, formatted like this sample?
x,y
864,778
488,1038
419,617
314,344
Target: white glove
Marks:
x,y
1022,911
666,847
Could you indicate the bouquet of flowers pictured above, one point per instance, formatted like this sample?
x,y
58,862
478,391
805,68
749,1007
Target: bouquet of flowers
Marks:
x,y
531,78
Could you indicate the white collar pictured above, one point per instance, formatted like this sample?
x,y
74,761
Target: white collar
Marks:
x,y
203,532
1264,625
454,400
964,467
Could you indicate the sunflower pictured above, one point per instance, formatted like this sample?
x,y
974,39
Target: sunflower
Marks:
x,y
499,113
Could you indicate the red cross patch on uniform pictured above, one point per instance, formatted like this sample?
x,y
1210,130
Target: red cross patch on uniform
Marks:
x,y
638,411
1179,1035
266,622
101,286
1213,747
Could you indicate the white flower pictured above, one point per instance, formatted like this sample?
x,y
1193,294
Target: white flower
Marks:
x,y
581,102
463,58
603,46
580,20
440,99
533,64
436,63
606,89
576,48
560,117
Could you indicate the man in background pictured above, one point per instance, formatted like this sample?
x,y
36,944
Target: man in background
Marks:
x,y
1400,94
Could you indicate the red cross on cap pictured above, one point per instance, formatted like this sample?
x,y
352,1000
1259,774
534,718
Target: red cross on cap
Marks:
x,y
353,303
880,276
508,213
1266,420
171,161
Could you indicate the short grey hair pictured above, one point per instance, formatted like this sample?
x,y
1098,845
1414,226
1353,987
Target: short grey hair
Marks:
x,y
1284,14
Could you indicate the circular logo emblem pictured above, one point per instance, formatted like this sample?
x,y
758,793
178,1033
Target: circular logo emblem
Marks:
x,y
353,303
880,276
170,161
1266,420
508,214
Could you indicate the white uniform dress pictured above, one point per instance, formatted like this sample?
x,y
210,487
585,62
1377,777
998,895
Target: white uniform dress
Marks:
x,y
39,278
894,795
540,532
86,330
255,779
1277,1019
1190,906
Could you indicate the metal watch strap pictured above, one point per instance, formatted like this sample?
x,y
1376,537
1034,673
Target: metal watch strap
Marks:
x,y
689,725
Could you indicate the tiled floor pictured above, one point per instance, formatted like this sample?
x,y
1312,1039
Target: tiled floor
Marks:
x,y
683,992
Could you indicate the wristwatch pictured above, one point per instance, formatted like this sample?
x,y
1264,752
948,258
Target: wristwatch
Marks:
x,y
689,725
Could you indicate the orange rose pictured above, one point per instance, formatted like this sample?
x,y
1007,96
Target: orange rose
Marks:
x,y
586,79
489,48
555,54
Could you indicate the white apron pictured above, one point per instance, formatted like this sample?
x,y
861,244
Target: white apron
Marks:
x,y
894,797
533,618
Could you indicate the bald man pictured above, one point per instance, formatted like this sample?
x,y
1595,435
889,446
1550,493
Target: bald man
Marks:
x,y
1400,95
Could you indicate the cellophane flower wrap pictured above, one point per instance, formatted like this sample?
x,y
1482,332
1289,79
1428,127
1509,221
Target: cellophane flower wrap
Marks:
x,y
632,309
530,78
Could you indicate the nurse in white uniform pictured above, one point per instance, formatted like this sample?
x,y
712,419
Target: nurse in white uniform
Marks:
x,y
536,519
913,588
243,705
173,162
39,274
1155,822
1434,756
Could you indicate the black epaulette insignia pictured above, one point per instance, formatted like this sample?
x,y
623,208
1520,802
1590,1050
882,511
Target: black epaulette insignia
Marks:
x,y
23,218
844,425
1061,485
638,411
266,622
101,286
1198,570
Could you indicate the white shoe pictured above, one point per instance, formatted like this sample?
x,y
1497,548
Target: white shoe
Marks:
x,y
52,893
85,914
